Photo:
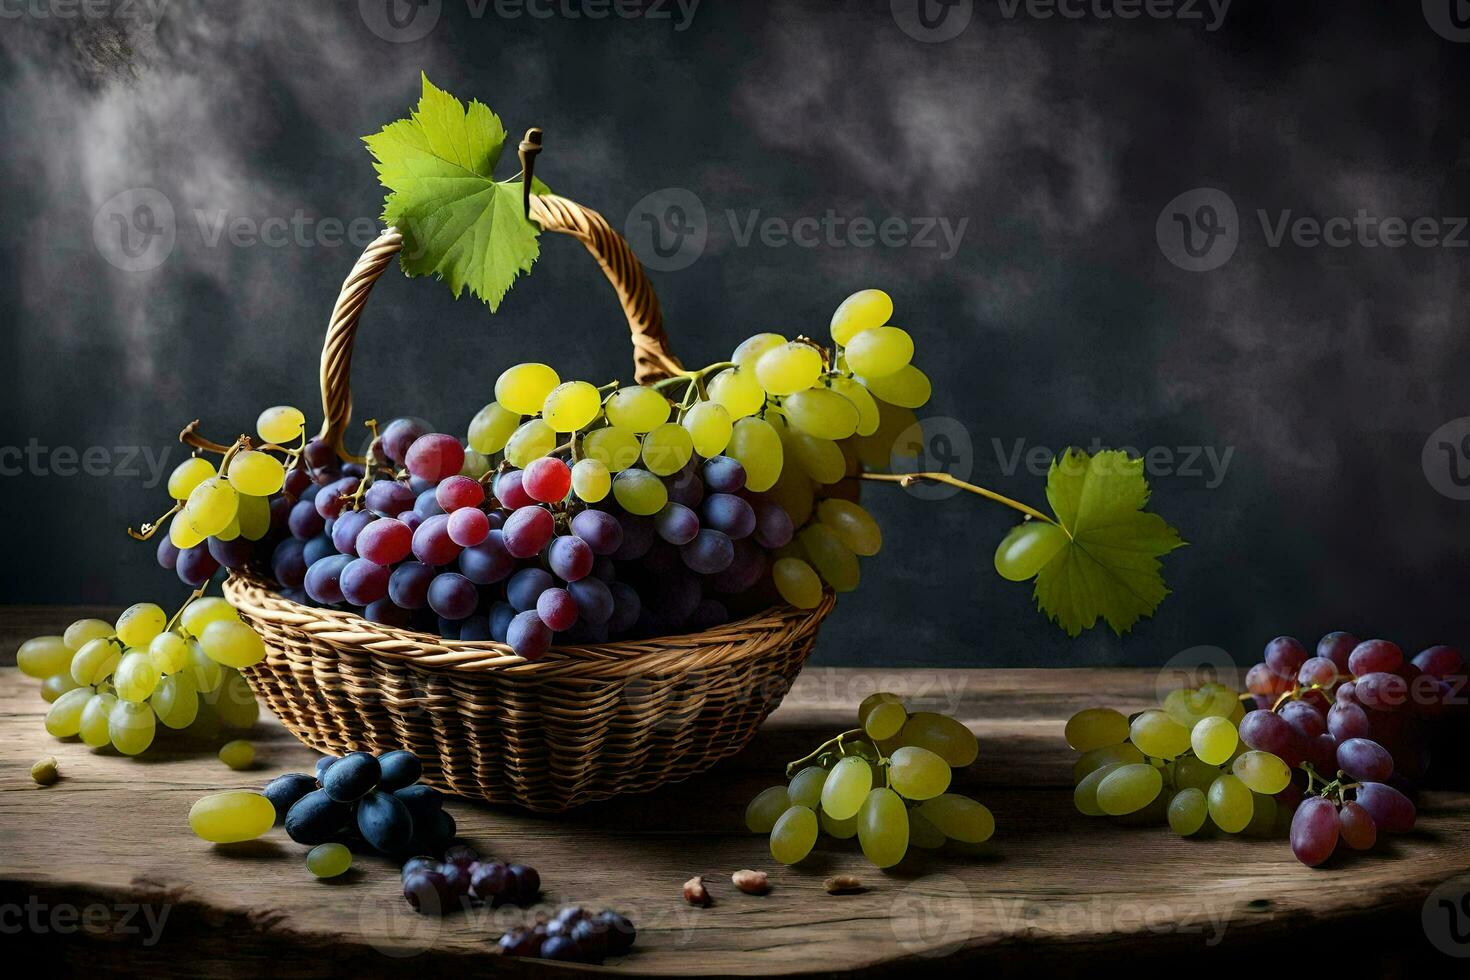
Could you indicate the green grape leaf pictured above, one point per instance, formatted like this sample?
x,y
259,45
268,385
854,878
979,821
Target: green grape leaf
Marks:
x,y
458,222
1110,567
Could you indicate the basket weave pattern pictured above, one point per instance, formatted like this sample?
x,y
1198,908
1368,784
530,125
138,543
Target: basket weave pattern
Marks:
x,y
578,725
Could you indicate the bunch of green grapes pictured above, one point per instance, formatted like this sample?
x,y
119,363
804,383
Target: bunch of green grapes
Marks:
x,y
1183,762
884,783
112,684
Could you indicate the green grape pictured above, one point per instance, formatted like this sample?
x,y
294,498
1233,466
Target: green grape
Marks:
x,y
169,652
571,405
188,475
1262,772
93,727
820,459
640,492
667,448
1188,705
797,583
523,389
942,735
792,367
751,349
206,673
1092,728
923,833
833,560
1214,740
1158,735
762,812
206,725
1231,804
805,788
840,829
907,388
58,684
918,774
846,787
237,754
281,424
209,609
530,442
710,427
140,623
228,818
232,643
81,632
640,409
738,391
1263,816
95,662
235,703
615,447
885,720
883,828
329,860
853,526
870,704
867,409
879,353
1027,548
182,534
256,473
1084,795
131,725
1129,788
476,464
64,718
959,818
1124,753
822,412
211,507
135,676
44,656
793,492
254,517
491,428
1194,773
590,480
757,447
1188,811
794,835
176,701
863,310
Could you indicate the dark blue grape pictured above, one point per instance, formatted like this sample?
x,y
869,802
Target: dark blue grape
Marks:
x,y
422,802
475,629
389,498
408,586
398,769
453,596
383,820
487,562
728,513
346,529
601,531
638,537
594,600
500,616
285,791
324,579
387,612
626,607
195,565
570,557
351,777
168,554
316,818
723,474
304,521
526,586
288,563
709,553
676,523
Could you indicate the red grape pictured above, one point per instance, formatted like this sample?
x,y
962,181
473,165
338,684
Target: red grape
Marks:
x,y
1356,827
432,544
510,491
468,527
1392,811
1314,831
1285,656
547,479
1375,656
528,530
458,492
434,457
557,609
386,541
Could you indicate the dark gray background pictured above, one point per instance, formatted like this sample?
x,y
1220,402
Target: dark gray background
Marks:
x,y
1059,320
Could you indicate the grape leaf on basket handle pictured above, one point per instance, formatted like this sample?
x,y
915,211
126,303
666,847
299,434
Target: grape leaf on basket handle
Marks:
x,y
457,221
1109,566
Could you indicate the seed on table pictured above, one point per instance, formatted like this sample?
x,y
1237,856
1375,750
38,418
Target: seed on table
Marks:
x,y
751,882
695,893
843,885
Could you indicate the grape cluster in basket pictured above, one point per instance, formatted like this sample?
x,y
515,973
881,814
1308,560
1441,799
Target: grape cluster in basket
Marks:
x,y
112,684
883,783
1326,751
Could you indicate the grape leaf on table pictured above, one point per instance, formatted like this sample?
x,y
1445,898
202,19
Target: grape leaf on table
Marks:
x,y
1110,566
458,222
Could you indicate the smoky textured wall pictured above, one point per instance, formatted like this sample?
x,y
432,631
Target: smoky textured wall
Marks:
x,y
1288,390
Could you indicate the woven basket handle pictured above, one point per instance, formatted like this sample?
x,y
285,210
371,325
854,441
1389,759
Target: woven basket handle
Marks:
x,y
652,359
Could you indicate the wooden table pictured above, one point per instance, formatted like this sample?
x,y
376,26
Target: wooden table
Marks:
x,y
102,871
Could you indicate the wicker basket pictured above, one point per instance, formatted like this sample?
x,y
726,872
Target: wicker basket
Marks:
x,y
579,724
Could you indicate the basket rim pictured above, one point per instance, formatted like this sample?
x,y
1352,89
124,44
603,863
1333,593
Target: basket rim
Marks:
x,y
258,596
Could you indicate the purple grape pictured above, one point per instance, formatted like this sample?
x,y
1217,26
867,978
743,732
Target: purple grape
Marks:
x,y
557,609
280,508
601,531
488,562
1345,721
626,607
560,948
638,537
364,582
453,596
305,523
288,563
316,549
412,518
510,492
426,504
448,628
475,629
1440,661
385,540
527,635
685,487
1375,657
398,435
1266,731
528,530
468,526
196,565
324,579
707,615
408,586
333,498
1314,830
388,498
709,553
346,529
1364,760
676,523
434,456
594,600
747,568
500,616
526,586
1381,691
318,454
487,880
232,554
662,557
296,481
1337,647
728,513
570,557
1305,718
168,554
1392,811
1285,656
1356,827
1317,670
723,474
431,542
773,527
388,613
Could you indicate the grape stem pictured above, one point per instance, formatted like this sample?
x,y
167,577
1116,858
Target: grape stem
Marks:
x,y
178,613
909,479
692,377
823,749
150,528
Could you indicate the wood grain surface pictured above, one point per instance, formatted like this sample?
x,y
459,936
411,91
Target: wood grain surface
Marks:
x,y
101,871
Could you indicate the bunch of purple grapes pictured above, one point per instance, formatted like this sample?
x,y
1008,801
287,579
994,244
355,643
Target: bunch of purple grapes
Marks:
x,y
517,558
1354,723
573,934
